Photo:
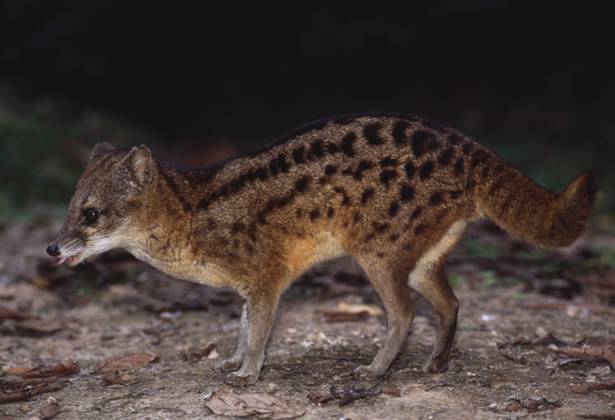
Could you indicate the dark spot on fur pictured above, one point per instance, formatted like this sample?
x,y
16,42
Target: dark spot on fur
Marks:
x,y
302,184
299,213
459,167
299,154
399,132
406,193
317,149
261,173
393,209
332,148
387,176
330,212
371,133
348,143
393,237
410,169
416,213
211,223
251,175
330,170
380,254
436,198
273,167
422,228
367,194
426,170
314,214
455,194
348,171
370,237
455,138
363,166
356,217
422,142
237,227
388,161
286,200
238,183
444,158
380,227
283,163
479,157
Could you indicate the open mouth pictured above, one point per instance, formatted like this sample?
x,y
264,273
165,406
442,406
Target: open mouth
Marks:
x,y
71,261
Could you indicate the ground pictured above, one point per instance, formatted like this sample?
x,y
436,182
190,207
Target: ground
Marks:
x,y
536,335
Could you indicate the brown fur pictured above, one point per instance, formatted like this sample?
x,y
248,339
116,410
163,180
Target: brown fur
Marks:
x,y
393,191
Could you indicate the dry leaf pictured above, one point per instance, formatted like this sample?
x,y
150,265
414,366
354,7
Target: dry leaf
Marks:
x,y
353,308
590,352
8,313
59,370
13,391
261,405
17,370
132,361
593,386
119,378
36,327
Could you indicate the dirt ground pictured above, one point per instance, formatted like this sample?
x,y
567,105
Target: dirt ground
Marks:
x,y
536,336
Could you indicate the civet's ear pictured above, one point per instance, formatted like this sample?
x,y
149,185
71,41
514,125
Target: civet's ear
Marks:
x,y
100,149
140,164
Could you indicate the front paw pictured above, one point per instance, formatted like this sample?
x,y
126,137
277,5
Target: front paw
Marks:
x,y
241,379
435,366
366,373
228,365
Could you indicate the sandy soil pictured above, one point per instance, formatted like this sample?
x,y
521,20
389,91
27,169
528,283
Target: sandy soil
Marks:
x,y
523,315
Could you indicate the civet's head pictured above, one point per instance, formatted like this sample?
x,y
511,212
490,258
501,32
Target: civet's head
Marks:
x,y
107,202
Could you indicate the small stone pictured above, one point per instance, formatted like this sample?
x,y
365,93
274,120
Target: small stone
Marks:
x,y
541,332
513,405
272,388
213,355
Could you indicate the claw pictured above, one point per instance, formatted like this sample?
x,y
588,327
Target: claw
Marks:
x,y
228,365
365,373
240,379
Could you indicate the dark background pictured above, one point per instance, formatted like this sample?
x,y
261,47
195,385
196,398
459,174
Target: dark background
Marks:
x,y
535,81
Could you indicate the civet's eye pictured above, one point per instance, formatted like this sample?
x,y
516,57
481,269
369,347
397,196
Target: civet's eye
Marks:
x,y
91,215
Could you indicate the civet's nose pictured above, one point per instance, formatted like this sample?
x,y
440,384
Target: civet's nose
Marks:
x,y
53,250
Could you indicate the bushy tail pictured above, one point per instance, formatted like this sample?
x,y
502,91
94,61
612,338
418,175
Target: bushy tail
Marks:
x,y
524,209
